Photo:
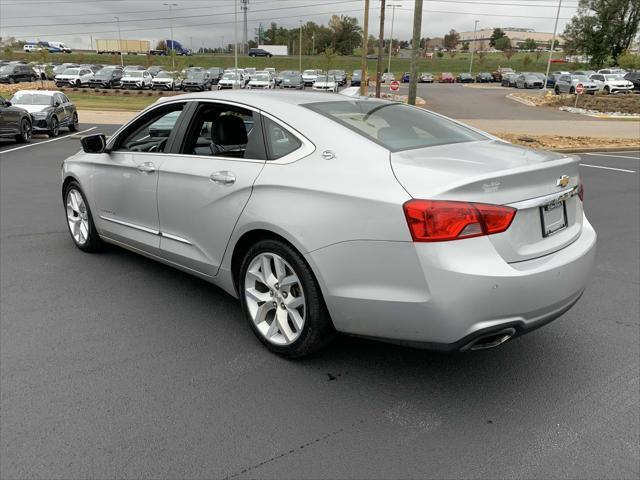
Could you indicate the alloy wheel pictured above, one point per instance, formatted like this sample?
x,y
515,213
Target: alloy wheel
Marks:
x,y
275,298
77,216
26,131
55,127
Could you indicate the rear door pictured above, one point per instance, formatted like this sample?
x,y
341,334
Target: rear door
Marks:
x,y
203,190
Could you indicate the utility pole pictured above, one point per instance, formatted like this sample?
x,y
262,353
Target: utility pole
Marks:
x,y
393,17
120,42
415,51
380,48
473,45
553,41
300,49
313,44
365,38
173,50
244,7
235,41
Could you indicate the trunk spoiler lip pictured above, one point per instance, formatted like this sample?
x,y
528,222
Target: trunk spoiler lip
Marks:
x,y
546,199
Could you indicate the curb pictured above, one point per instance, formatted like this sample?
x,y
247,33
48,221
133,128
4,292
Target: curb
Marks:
x,y
595,150
523,101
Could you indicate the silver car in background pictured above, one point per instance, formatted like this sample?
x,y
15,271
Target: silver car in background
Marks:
x,y
568,83
326,214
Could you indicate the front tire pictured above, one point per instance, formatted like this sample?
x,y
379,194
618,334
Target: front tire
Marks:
x,y
54,129
282,301
26,131
73,126
79,219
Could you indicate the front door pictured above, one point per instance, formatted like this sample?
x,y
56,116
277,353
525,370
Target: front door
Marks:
x,y
203,190
126,179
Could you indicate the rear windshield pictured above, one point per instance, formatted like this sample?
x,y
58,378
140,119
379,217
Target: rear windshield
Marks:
x,y
394,125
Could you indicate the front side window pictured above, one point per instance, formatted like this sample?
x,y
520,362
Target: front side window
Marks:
x,y
219,130
151,133
395,126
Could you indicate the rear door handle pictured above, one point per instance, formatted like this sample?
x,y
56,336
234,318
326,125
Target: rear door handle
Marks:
x,y
223,178
146,167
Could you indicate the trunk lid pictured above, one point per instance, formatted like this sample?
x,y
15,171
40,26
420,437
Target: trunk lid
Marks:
x,y
499,173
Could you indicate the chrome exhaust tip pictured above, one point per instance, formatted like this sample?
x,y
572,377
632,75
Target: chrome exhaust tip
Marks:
x,y
490,340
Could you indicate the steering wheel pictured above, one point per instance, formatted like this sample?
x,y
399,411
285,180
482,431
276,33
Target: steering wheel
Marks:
x,y
159,147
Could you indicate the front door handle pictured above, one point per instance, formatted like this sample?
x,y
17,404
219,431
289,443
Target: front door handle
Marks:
x,y
146,167
223,178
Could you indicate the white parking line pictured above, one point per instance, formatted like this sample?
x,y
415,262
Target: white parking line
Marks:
x,y
608,168
614,156
46,141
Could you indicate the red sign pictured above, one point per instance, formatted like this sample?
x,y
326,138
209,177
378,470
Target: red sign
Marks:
x,y
579,89
394,86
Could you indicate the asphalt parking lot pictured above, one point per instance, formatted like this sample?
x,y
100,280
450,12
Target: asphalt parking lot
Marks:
x,y
112,365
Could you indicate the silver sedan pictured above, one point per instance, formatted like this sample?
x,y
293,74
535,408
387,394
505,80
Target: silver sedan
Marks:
x,y
352,215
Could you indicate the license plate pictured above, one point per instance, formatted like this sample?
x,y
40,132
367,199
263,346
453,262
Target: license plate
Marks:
x,y
554,218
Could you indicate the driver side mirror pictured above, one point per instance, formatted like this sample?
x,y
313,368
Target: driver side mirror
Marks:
x,y
56,103
6,103
96,143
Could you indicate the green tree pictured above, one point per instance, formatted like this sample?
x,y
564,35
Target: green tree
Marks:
x,y
347,34
602,29
329,58
529,44
629,61
465,46
497,34
451,40
503,43
526,61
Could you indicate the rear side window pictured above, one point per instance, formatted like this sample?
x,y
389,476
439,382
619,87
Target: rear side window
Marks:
x,y
281,142
395,126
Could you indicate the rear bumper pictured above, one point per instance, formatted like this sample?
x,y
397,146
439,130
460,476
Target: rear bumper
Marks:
x,y
443,295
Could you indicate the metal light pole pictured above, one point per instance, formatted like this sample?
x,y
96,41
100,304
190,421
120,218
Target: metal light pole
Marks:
x,y
473,45
393,17
300,50
120,42
380,48
553,41
173,50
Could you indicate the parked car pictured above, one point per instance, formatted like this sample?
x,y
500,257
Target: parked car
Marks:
x,y
529,80
50,110
611,83
568,83
453,259
261,81
231,80
44,71
108,77
309,77
93,67
17,72
406,77
75,77
464,78
325,83
446,77
134,68
509,79
166,81
155,70
612,70
339,75
139,79
215,73
292,80
58,69
586,73
484,77
31,47
425,77
634,77
197,81
387,77
553,78
15,122
259,52
500,72
280,76
356,78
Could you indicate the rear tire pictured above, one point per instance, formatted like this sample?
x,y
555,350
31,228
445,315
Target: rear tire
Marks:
x,y
26,130
79,220
289,319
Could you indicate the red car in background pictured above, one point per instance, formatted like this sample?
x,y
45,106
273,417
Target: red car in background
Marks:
x,y
446,77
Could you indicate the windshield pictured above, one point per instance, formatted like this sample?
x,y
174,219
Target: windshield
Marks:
x,y
6,68
291,76
229,76
580,78
105,73
309,72
612,78
325,78
23,98
195,76
394,125
262,78
164,75
71,71
134,74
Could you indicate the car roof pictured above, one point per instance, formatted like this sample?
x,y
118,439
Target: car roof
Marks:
x,y
39,92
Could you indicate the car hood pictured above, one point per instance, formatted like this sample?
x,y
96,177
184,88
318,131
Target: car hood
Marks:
x,y
162,80
324,84
34,108
61,76
258,82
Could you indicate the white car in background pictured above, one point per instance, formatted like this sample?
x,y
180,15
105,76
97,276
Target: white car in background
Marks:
x,y
309,76
76,77
165,80
611,83
139,79
325,83
261,80
231,80
387,77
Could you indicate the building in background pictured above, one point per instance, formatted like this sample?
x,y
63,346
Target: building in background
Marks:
x,y
517,36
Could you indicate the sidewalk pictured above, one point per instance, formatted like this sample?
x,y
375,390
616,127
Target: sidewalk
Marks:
x,y
596,128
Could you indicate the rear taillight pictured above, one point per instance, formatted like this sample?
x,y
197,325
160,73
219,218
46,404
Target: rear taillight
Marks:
x,y
441,220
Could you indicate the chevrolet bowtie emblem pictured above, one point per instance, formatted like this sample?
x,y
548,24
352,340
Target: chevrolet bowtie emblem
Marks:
x,y
563,181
